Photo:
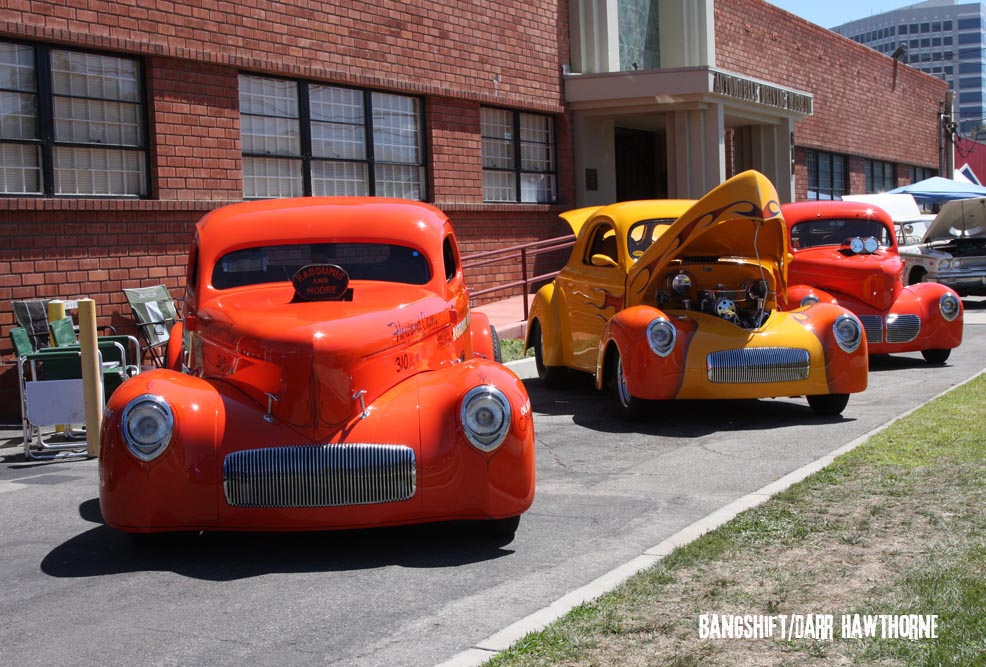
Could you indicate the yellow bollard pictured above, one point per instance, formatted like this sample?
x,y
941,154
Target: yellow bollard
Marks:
x,y
92,375
56,311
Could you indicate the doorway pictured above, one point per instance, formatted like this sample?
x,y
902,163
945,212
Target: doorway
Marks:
x,y
637,173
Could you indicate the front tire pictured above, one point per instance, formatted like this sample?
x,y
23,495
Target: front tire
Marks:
x,y
553,376
830,405
936,356
495,340
631,408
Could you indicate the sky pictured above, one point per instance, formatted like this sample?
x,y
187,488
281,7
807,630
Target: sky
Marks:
x,y
831,13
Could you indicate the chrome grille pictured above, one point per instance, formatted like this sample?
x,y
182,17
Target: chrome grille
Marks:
x,y
319,475
758,364
873,326
903,328
973,262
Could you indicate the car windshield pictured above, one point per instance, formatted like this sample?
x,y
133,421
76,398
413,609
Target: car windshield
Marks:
x,y
837,231
642,234
362,261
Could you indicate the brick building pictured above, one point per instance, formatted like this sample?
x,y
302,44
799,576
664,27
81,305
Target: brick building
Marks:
x,y
122,123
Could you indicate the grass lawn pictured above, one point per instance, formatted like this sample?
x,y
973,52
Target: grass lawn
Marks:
x,y
513,349
897,526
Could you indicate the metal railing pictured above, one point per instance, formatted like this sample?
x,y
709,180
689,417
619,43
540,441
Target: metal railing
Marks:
x,y
525,252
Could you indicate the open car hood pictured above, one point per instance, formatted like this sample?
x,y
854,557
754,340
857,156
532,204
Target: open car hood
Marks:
x,y
962,218
740,218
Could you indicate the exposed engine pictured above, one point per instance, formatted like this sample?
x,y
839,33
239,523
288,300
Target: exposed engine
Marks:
x,y
746,307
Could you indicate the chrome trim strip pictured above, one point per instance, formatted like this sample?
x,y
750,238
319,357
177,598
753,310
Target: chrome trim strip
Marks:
x,y
320,475
758,365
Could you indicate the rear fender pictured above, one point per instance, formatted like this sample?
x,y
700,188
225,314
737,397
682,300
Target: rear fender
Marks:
x,y
482,338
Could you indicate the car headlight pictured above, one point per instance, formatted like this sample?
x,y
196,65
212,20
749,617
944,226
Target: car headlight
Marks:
x,y
661,336
945,264
871,245
147,425
956,263
681,283
809,300
856,245
485,417
848,332
949,306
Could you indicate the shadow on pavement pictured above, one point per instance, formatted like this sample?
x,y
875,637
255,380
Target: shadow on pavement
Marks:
x,y
230,556
682,419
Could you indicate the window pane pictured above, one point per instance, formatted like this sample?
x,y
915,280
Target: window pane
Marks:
x,y
338,123
97,122
268,178
396,133
536,128
268,97
20,170
98,171
498,153
90,75
270,136
537,188
16,67
537,157
499,186
339,179
18,116
398,180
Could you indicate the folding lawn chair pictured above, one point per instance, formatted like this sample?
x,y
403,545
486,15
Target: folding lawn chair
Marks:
x,y
155,313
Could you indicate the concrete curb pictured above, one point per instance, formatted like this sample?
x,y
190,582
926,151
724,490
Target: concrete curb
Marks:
x,y
500,641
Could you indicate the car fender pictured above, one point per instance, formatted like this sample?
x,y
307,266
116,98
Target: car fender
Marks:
x,y
796,293
647,374
131,496
482,337
923,299
173,354
845,372
546,310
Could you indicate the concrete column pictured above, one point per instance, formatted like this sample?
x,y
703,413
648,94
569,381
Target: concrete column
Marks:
x,y
771,153
696,151
687,33
596,152
595,37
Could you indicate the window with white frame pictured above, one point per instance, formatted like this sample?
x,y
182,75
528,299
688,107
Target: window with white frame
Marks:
x,y
306,138
518,157
71,123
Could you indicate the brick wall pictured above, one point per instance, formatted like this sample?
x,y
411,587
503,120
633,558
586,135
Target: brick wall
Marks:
x,y
456,55
865,105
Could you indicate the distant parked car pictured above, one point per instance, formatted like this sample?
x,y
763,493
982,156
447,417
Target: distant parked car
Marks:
x,y
846,253
329,373
680,299
953,250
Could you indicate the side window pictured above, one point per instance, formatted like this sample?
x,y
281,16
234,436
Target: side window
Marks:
x,y
450,258
603,243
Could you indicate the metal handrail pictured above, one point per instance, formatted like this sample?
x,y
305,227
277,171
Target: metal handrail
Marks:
x,y
522,251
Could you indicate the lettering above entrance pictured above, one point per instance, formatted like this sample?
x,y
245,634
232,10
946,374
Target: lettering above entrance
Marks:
x,y
749,90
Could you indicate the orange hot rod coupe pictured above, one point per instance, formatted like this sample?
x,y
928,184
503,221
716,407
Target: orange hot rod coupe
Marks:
x,y
679,299
328,374
846,253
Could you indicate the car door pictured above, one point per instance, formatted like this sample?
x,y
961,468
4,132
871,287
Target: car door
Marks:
x,y
593,287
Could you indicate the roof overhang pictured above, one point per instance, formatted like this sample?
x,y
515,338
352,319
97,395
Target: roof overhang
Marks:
x,y
687,87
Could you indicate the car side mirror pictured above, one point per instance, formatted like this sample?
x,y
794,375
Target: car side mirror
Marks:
x,y
602,260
